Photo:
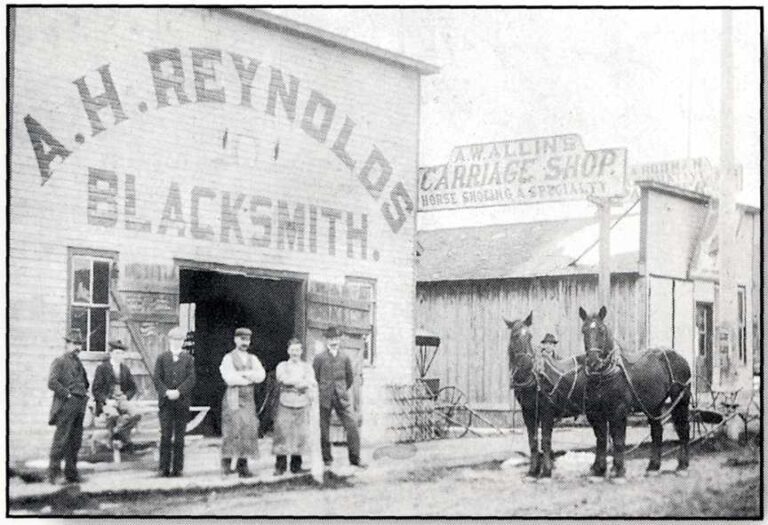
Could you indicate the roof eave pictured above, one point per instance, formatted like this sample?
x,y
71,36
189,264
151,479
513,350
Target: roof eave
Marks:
x,y
286,25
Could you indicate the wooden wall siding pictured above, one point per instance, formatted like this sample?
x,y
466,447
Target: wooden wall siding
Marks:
x,y
468,317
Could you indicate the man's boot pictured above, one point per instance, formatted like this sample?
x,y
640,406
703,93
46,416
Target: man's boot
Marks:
x,y
225,466
242,468
53,474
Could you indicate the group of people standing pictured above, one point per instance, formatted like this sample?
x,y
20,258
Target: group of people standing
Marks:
x,y
329,378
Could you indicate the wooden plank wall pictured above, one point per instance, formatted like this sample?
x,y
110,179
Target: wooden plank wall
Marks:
x,y
468,317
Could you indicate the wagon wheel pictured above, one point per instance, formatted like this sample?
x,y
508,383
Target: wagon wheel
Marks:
x,y
451,411
704,422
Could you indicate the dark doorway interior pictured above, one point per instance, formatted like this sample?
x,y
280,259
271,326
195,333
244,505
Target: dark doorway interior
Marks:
x,y
704,347
224,302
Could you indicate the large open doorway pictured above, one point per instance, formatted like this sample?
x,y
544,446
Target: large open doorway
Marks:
x,y
218,302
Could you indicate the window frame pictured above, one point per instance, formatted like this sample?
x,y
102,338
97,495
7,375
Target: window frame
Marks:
x,y
93,256
370,361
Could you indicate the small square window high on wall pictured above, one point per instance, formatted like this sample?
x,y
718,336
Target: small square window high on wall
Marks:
x,y
89,297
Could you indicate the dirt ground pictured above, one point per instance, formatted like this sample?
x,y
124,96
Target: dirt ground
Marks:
x,y
720,483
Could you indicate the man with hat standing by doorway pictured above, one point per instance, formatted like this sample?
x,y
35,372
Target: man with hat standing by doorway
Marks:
x,y
113,387
549,347
239,423
174,380
69,383
333,370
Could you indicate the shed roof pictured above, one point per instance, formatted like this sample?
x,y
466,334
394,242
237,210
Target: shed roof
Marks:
x,y
286,25
524,250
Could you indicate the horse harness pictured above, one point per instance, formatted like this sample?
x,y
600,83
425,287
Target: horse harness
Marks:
x,y
538,377
614,364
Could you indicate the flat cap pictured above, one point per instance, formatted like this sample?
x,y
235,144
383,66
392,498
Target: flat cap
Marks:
x,y
117,344
243,332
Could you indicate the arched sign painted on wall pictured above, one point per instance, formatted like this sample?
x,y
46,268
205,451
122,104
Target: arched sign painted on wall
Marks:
x,y
168,74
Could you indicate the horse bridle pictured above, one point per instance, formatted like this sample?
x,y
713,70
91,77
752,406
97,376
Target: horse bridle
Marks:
x,y
608,364
513,369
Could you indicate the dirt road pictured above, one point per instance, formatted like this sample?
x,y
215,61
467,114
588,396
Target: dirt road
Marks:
x,y
717,485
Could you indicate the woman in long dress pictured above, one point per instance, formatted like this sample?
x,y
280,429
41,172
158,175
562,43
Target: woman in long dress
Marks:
x,y
297,381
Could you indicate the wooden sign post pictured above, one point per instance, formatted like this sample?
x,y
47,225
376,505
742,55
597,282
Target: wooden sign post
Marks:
x,y
603,205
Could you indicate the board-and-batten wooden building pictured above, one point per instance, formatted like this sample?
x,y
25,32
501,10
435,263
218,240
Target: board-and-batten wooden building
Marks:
x,y
663,289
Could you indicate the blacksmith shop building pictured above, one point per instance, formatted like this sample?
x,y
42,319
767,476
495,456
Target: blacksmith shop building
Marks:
x,y
210,167
664,288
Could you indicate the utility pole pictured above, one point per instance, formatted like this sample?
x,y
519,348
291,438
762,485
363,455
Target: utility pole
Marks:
x,y
727,308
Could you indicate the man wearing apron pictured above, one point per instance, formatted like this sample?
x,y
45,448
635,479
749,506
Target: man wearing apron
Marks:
x,y
239,424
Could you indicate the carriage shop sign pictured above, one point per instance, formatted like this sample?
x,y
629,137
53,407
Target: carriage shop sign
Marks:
x,y
167,73
522,171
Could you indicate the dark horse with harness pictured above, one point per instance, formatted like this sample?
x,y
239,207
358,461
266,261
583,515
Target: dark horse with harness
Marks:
x,y
619,384
546,389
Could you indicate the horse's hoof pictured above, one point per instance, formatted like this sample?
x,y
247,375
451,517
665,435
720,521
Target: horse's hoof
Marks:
x,y
651,473
546,480
681,473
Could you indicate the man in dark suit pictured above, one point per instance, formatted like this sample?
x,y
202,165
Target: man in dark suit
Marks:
x,y
174,379
334,374
113,387
69,383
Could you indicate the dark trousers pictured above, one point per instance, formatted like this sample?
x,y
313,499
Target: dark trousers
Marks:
x,y
346,414
68,436
173,426
282,462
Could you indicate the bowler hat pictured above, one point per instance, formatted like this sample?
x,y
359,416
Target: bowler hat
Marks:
x,y
74,336
243,332
549,338
117,345
189,341
332,332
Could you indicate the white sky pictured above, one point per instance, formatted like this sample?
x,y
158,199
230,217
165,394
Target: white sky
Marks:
x,y
647,80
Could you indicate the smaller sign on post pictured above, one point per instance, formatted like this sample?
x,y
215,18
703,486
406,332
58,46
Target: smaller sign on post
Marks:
x,y
556,168
694,174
